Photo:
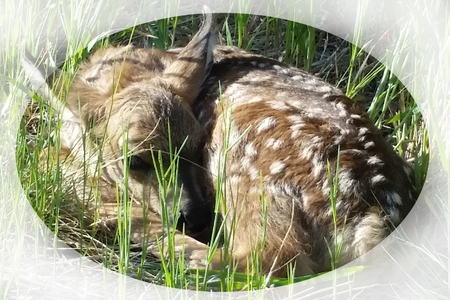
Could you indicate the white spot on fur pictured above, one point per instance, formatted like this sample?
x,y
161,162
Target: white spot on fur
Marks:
x,y
254,173
307,153
362,138
278,105
369,145
250,150
277,167
394,198
298,77
352,151
252,99
329,214
342,109
374,160
362,131
344,131
318,165
234,94
247,162
339,140
316,140
234,180
346,182
287,72
326,187
296,130
378,179
274,143
324,89
316,112
266,123
354,116
340,206
277,67
295,119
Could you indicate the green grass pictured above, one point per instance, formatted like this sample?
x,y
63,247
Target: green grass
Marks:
x,y
389,105
335,249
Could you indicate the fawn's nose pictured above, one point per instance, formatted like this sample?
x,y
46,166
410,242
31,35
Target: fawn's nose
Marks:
x,y
197,209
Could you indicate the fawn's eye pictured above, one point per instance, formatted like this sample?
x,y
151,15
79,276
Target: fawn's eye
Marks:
x,y
138,164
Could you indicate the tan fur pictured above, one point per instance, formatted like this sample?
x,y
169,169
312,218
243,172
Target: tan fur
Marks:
x,y
285,126
308,121
128,98
118,106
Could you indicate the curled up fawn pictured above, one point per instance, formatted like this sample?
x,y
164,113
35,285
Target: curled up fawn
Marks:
x,y
290,149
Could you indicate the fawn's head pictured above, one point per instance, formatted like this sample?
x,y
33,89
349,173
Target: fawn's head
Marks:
x,y
130,110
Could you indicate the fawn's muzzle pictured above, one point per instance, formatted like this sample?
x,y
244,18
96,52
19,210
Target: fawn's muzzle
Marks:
x,y
197,212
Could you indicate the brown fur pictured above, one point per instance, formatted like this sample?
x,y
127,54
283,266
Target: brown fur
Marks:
x,y
285,127
291,125
129,98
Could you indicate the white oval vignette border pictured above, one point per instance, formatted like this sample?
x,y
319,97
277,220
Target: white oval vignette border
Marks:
x,y
411,264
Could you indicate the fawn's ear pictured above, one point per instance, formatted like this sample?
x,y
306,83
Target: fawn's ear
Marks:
x,y
187,73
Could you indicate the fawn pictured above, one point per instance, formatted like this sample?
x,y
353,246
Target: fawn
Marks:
x,y
128,108
276,135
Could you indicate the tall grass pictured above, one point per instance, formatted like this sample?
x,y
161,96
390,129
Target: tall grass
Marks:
x,y
363,79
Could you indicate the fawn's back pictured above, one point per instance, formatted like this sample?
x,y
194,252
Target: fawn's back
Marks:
x,y
290,135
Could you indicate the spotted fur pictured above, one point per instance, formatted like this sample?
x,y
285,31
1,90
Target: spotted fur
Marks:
x,y
296,125
284,133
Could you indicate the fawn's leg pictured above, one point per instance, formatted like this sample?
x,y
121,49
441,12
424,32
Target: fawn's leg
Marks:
x,y
271,247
